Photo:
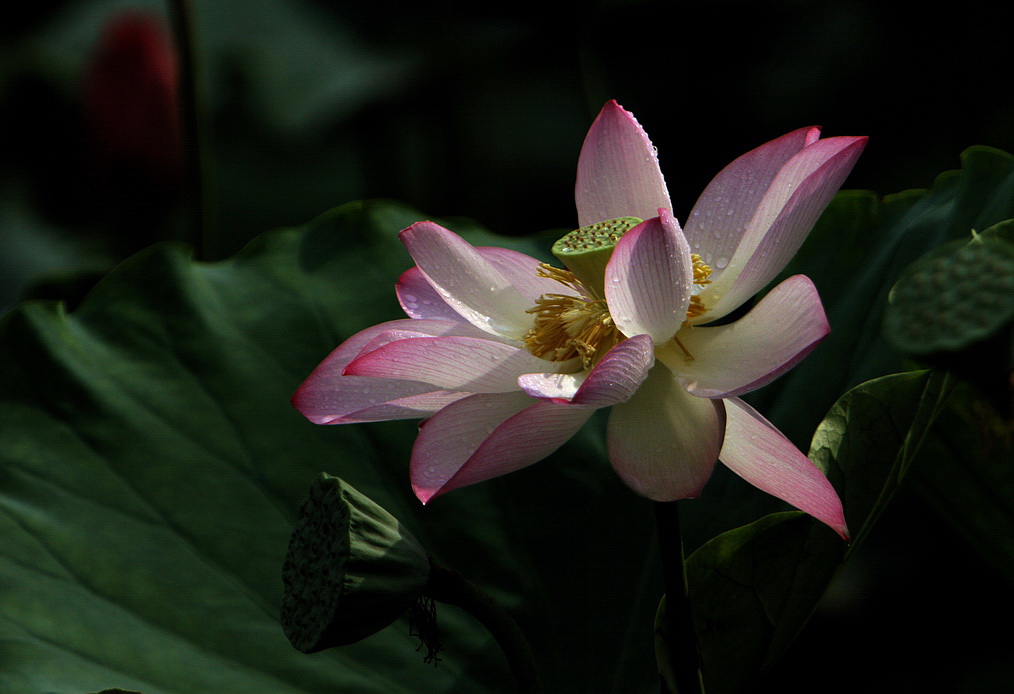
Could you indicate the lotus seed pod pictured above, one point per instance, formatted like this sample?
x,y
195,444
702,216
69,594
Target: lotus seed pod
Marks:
x,y
587,250
954,296
351,569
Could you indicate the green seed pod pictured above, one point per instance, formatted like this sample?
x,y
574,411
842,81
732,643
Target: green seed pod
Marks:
x,y
351,570
954,296
587,250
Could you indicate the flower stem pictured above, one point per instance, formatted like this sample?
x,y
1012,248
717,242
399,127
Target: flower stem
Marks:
x,y
454,589
193,134
678,638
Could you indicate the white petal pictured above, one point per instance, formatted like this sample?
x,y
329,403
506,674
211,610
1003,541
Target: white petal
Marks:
x,y
617,172
664,442
420,299
552,386
762,345
521,271
467,281
649,279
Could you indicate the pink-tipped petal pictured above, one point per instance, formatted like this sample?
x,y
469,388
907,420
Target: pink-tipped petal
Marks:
x,y
467,364
649,279
328,397
621,372
739,357
467,281
664,442
756,451
614,379
419,299
618,173
796,198
725,208
485,436
410,407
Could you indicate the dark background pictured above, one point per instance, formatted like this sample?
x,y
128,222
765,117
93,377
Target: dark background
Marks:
x,y
480,110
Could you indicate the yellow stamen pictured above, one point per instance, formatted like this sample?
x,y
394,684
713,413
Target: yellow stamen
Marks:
x,y
568,327
686,352
701,271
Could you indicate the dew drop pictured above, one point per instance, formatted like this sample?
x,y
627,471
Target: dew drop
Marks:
x,y
410,298
721,262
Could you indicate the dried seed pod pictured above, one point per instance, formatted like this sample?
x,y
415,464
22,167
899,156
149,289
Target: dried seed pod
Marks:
x,y
351,569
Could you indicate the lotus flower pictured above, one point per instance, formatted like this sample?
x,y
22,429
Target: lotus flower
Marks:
x,y
506,357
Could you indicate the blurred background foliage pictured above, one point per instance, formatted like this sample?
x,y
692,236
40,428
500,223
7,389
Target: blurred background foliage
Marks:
x,y
479,110
464,108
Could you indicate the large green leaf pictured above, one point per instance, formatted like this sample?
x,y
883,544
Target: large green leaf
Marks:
x,y
965,474
151,468
753,588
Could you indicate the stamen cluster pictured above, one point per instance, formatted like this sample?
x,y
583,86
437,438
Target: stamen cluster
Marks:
x,y
701,273
569,326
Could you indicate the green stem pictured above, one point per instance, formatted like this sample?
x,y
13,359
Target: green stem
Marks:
x,y
677,628
454,589
192,133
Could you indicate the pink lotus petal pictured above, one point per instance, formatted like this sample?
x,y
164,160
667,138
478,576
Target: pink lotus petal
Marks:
x,y
795,200
756,451
664,442
649,279
419,299
618,173
552,386
473,286
614,379
617,377
739,357
424,328
488,435
522,271
328,397
468,364
410,407
722,213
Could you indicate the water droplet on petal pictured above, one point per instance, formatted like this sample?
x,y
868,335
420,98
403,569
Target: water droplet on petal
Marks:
x,y
721,262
